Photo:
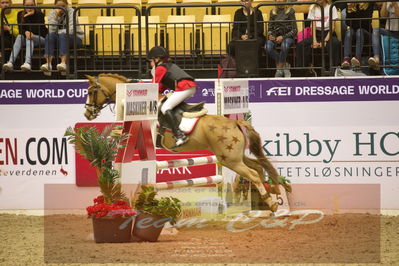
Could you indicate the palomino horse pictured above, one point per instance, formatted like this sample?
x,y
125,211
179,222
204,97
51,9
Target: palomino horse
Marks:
x,y
216,133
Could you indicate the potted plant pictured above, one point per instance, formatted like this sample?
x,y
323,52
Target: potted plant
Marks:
x,y
153,214
111,213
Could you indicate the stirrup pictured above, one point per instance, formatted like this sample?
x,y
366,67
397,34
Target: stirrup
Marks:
x,y
180,141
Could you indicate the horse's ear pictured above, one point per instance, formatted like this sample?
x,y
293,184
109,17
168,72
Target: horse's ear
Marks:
x,y
90,78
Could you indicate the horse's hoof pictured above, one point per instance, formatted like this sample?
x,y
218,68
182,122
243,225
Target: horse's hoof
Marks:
x,y
274,207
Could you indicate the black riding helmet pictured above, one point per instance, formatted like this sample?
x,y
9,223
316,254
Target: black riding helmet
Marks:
x,y
157,52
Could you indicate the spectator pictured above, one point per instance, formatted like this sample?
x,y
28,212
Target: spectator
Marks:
x,y
358,21
57,20
32,33
240,27
303,49
282,31
10,24
391,11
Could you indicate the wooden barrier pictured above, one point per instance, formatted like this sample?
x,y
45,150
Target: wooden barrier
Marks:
x,y
186,162
200,181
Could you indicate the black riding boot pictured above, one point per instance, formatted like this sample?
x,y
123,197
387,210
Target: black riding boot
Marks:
x,y
180,137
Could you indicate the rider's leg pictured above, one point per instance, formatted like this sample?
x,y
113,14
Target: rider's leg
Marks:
x,y
180,137
173,100
176,98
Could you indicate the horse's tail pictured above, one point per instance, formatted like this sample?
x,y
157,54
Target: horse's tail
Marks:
x,y
256,148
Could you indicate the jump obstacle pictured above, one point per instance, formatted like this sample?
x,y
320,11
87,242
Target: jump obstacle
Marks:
x,y
141,139
186,162
200,181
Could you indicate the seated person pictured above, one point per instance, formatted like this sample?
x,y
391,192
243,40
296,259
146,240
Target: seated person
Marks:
x,y
240,27
281,32
32,32
58,23
357,27
303,49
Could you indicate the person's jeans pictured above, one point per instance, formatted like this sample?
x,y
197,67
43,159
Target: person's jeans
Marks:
x,y
53,38
30,45
281,56
359,42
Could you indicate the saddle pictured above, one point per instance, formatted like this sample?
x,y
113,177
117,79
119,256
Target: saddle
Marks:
x,y
186,115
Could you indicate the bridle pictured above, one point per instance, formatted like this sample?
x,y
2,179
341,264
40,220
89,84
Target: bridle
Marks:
x,y
95,90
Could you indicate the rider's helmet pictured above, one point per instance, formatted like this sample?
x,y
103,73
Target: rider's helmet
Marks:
x,y
157,52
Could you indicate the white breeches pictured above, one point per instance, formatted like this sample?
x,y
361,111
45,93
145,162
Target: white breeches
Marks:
x,y
176,98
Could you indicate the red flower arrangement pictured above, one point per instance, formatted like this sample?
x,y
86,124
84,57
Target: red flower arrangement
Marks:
x,y
119,208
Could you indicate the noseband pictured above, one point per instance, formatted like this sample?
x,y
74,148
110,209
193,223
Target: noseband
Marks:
x,y
96,89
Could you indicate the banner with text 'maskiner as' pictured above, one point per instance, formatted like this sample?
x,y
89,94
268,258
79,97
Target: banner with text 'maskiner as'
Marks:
x,y
136,101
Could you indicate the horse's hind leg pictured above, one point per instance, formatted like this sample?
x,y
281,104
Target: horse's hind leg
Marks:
x,y
252,175
254,164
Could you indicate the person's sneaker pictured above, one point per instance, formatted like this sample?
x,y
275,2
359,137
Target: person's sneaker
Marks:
x,y
61,67
355,62
287,72
374,63
26,67
279,73
8,66
46,68
346,63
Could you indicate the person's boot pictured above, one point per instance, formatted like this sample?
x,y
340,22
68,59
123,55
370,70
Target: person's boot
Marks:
x,y
180,137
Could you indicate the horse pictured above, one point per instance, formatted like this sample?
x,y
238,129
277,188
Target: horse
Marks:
x,y
223,136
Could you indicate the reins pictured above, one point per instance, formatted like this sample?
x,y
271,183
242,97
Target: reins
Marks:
x,y
96,88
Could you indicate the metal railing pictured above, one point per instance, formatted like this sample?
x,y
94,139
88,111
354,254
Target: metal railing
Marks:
x,y
3,50
323,50
370,52
195,46
115,59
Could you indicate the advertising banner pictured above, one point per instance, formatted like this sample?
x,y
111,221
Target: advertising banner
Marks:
x,y
136,101
315,131
232,96
313,90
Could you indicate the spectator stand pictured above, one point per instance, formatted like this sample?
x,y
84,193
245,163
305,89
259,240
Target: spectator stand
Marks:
x,y
192,52
268,67
196,45
37,56
367,48
110,47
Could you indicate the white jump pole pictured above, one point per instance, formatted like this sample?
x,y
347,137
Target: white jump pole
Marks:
x,y
200,181
186,162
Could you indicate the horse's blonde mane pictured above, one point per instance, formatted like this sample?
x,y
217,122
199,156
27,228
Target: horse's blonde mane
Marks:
x,y
112,75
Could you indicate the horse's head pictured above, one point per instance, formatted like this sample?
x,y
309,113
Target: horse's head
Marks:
x,y
101,92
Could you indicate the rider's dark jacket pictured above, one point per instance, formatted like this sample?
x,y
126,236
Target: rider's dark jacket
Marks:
x,y
171,76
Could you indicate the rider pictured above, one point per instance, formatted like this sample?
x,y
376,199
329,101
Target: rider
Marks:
x,y
170,76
